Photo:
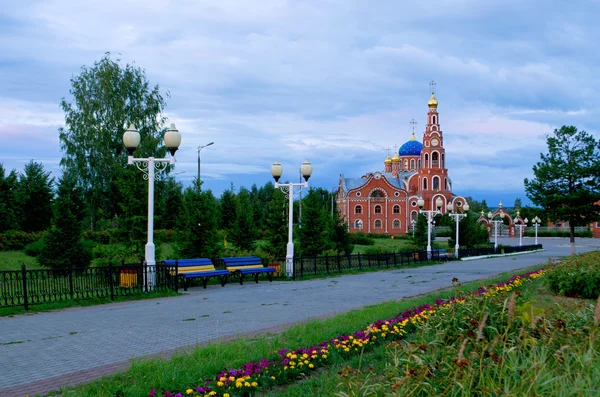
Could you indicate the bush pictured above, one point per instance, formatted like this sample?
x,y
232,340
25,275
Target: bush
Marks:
x,y
17,240
530,232
361,239
99,236
164,235
577,277
35,248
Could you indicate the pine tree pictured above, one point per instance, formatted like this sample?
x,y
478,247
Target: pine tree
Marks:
x,y
243,234
277,225
198,224
228,209
420,234
313,234
8,200
34,195
340,237
62,242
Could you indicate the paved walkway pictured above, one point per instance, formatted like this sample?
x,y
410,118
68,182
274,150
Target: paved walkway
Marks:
x,y
80,344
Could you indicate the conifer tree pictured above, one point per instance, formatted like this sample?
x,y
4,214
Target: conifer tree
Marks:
x,y
8,200
243,234
277,225
228,209
34,195
313,234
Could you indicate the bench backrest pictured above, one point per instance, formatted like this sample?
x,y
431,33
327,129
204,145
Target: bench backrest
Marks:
x,y
191,265
245,262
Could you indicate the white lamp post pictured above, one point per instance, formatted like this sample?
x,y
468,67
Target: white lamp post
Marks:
x,y
496,223
536,222
521,226
453,212
200,148
131,139
430,215
289,190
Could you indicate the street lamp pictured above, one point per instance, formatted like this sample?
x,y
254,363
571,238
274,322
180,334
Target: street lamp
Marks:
x,y
430,215
496,223
521,226
151,167
289,190
453,212
536,222
200,148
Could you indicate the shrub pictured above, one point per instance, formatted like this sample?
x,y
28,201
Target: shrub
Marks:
x,y
35,248
17,240
361,239
99,236
577,277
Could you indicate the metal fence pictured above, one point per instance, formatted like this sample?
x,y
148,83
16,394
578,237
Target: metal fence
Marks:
x,y
306,266
33,287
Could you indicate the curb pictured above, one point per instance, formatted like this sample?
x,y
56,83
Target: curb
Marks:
x,y
472,258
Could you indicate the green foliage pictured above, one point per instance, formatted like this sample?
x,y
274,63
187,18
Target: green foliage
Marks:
x,y
35,248
577,277
315,224
470,232
8,201
420,233
99,236
197,235
228,209
34,195
567,179
530,232
277,224
340,236
243,234
107,97
168,202
17,240
115,253
63,245
362,239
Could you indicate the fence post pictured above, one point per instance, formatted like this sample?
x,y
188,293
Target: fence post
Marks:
x,y
24,276
359,262
315,264
176,275
146,275
326,263
71,279
110,278
339,264
301,268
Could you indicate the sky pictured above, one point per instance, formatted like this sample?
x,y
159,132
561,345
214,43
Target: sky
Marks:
x,y
334,82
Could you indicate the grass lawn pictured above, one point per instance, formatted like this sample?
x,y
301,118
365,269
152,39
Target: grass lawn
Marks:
x,y
382,367
12,260
392,245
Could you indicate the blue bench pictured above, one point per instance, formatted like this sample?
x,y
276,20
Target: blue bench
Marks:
x,y
202,268
248,265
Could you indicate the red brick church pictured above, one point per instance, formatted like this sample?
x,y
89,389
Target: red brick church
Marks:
x,y
386,202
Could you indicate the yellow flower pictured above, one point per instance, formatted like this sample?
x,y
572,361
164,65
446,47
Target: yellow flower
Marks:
x,y
212,393
247,384
254,384
220,384
189,391
311,366
226,395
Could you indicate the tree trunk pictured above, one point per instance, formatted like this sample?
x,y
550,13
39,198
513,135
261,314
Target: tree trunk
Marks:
x,y
572,235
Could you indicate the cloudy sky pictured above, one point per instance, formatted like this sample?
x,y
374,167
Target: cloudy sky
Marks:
x,y
333,81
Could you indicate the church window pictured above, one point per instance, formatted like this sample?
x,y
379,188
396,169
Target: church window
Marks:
x,y
357,194
396,209
412,164
436,183
419,163
359,224
396,224
426,160
442,160
434,120
377,224
434,159
378,209
445,183
405,164
358,209
413,216
377,193
424,183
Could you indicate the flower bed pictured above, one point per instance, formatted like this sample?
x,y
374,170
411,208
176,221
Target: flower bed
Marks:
x,y
289,365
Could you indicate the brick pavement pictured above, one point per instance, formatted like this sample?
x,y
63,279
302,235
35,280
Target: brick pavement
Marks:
x,y
43,351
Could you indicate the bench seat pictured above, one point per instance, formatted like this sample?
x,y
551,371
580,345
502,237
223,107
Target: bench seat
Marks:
x,y
249,265
202,268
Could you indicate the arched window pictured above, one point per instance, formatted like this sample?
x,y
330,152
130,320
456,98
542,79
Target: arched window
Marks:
x,y
405,164
412,164
419,163
445,183
358,209
396,209
396,224
443,161
434,159
426,160
436,183
377,224
424,183
413,216
378,209
359,224
434,120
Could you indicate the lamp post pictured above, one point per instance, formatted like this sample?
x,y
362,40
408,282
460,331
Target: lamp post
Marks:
x,y
453,212
151,167
536,222
521,226
289,189
430,215
200,148
496,223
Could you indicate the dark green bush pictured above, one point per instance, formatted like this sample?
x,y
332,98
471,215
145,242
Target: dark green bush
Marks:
x,y
164,235
361,239
99,236
530,232
35,248
17,240
577,277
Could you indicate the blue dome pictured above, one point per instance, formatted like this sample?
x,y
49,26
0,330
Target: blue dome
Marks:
x,y
411,148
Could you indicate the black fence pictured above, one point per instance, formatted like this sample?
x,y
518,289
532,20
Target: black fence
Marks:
x,y
305,266
33,287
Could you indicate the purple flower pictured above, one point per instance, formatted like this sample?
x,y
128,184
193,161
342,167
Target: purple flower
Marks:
x,y
152,393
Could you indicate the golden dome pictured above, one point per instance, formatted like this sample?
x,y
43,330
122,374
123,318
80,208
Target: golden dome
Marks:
x,y
412,138
433,103
396,158
388,160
